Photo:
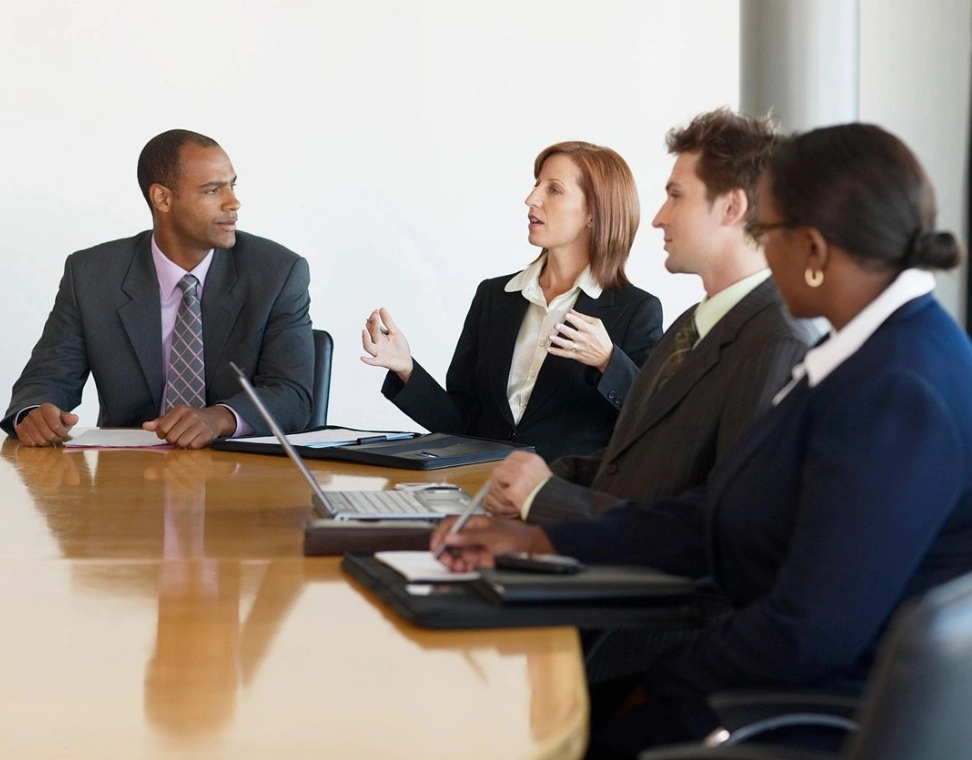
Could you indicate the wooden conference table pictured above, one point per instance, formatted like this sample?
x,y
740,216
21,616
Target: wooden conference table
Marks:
x,y
156,604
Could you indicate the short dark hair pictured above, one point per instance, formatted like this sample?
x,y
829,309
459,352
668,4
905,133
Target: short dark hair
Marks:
x,y
734,150
865,191
612,198
158,163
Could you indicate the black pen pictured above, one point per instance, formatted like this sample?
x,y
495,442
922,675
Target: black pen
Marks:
x,y
471,507
372,439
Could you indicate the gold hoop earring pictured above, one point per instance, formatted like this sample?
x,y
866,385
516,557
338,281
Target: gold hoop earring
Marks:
x,y
813,277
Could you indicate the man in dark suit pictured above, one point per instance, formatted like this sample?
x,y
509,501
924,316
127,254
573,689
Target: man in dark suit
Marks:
x,y
120,304
715,369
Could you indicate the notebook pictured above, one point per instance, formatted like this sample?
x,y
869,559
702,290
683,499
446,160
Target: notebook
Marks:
x,y
431,504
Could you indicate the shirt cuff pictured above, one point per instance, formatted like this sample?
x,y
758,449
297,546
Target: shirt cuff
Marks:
x,y
243,427
23,413
528,501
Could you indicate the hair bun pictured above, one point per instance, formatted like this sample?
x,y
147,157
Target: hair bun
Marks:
x,y
929,249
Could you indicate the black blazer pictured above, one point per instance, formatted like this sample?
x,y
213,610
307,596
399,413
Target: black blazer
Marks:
x,y
106,320
573,407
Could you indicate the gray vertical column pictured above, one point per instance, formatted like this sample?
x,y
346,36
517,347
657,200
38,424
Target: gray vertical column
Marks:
x,y
800,58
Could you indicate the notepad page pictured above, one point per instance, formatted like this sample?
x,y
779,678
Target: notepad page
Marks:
x,y
422,567
117,438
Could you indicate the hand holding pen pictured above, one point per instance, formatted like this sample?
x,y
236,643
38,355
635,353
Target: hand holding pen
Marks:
x,y
482,538
474,503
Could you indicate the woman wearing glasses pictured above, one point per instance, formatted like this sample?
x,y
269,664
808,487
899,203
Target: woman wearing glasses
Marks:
x,y
850,496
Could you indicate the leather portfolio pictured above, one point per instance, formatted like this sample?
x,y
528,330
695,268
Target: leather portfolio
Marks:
x,y
462,605
432,451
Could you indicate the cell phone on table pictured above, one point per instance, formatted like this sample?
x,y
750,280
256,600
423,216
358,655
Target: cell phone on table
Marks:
x,y
556,564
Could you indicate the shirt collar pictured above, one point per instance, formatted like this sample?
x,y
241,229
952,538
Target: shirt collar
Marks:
x,y
711,310
842,344
528,282
169,273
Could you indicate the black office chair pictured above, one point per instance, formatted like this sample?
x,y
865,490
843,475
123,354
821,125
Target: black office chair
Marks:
x,y
915,706
323,350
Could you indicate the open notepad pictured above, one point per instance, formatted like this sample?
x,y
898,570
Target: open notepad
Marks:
x,y
333,436
421,567
435,604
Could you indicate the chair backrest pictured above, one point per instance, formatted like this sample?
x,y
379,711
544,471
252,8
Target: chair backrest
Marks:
x,y
917,700
323,349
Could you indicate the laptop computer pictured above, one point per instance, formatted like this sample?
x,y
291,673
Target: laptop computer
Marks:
x,y
431,504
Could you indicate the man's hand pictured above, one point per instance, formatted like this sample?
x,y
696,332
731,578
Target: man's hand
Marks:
x,y
193,428
45,426
482,538
512,481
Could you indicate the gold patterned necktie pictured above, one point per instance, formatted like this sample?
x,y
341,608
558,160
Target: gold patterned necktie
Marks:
x,y
685,340
186,379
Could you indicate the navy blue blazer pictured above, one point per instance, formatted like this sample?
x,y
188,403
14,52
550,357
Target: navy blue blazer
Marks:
x,y
573,407
838,505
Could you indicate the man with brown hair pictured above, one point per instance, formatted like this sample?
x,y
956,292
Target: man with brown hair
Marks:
x,y
716,368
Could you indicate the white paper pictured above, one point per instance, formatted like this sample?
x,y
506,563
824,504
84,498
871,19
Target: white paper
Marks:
x,y
116,438
320,439
422,567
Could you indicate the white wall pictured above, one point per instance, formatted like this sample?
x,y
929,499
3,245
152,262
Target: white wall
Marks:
x,y
391,143
915,70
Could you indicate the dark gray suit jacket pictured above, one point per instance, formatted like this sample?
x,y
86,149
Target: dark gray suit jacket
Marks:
x,y
668,439
107,321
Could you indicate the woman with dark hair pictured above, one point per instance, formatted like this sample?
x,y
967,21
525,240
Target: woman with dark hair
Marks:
x,y
546,356
851,495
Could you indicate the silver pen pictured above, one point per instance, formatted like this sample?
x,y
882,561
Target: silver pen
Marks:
x,y
471,507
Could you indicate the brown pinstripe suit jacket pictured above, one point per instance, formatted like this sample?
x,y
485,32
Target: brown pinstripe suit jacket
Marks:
x,y
668,439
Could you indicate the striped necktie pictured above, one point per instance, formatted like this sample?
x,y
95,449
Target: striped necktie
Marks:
x,y
685,340
186,380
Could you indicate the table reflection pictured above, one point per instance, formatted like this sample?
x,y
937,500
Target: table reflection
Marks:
x,y
112,503
175,506
179,618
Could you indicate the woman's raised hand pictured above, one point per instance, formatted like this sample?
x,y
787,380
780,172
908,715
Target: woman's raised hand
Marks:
x,y
385,345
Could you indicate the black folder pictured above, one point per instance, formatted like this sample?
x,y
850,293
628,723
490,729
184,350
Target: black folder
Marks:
x,y
595,583
463,605
423,452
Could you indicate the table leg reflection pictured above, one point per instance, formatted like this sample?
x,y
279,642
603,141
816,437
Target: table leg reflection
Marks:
x,y
204,653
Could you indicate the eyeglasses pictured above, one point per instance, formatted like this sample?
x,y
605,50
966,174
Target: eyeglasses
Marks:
x,y
759,229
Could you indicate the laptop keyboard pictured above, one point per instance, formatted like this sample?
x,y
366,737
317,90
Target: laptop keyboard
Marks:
x,y
376,502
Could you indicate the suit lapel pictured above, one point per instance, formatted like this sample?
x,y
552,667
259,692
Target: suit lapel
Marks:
x,y
658,402
220,308
556,370
641,410
141,316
